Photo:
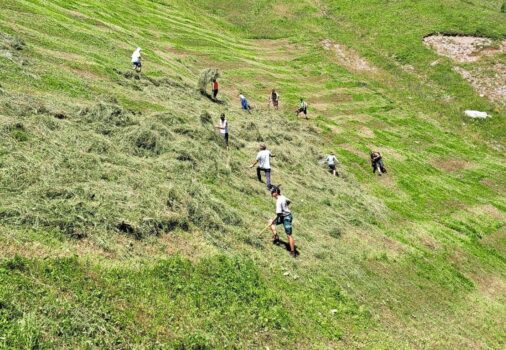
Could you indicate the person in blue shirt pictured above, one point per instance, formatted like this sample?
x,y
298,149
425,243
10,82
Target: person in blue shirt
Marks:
x,y
244,103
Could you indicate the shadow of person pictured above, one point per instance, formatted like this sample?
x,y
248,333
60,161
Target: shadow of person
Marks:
x,y
211,98
286,245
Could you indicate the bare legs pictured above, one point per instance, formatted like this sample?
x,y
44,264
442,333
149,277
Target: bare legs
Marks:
x,y
275,238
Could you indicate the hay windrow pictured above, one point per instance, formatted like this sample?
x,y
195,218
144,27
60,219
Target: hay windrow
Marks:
x,y
10,48
205,78
107,117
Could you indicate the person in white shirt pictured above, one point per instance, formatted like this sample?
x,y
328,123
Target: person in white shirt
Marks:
x,y
302,108
332,162
264,164
136,59
283,217
223,127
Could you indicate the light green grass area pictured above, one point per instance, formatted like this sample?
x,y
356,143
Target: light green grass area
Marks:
x,y
125,224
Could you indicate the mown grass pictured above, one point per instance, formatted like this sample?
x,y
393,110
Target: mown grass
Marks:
x,y
125,224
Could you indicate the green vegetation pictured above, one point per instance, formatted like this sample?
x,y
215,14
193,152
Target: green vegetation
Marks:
x,y
124,223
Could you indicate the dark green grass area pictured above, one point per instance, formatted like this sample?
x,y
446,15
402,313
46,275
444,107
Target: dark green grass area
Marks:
x,y
64,302
170,304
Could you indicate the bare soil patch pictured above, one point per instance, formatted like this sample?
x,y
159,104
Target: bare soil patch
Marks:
x,y
347,57
63,55
490,285
464,49
353,150
366,132
486,76
451,165
490,210
496,240
489,82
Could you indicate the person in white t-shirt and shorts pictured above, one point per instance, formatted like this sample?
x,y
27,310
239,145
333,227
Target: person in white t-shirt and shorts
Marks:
x,y
283,217
332,163
264,165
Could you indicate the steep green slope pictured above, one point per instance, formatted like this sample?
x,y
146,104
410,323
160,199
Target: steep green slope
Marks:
x,y
125,224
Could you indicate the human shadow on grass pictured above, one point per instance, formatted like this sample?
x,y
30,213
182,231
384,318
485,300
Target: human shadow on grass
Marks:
x,y
282,244
212,99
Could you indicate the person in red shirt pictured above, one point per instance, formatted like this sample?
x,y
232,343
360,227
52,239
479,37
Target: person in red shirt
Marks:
x,y
216,88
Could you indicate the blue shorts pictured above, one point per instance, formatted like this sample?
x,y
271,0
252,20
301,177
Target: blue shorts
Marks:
x,y
286,221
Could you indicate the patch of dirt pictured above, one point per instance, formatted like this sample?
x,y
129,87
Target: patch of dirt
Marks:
x,y
464,49
63,55
186,245
86,74
489,210
451,165
429,242
491,286
353,150
496,240
332,98
488,77
489,82
363,118
366,132
491,184
391,153
374,244
347,57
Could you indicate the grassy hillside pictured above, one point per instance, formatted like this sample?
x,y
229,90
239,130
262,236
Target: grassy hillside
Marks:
x,y
125,224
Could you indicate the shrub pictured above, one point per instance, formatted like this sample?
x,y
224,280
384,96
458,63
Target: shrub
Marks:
x,y
503,7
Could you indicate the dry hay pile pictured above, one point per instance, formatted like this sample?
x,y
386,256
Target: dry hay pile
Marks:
x,y
205,78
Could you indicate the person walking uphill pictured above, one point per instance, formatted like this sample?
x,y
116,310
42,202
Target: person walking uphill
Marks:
x,y
264,164
216,88
223,127
244,103
377,163
332,162
136,60
302,108
283,217
274,99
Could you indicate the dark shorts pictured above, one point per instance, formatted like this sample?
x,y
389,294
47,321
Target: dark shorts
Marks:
x,y
225,136
332,167
286,221
302,110
137,64
275,103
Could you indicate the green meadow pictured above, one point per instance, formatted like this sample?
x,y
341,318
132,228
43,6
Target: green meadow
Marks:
x,y
126,224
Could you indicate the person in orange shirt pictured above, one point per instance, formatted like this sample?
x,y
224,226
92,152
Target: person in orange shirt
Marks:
x,y
216,88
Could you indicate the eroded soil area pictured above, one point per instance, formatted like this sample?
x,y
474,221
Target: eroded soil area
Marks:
x,y
480,61
464,49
